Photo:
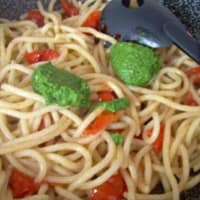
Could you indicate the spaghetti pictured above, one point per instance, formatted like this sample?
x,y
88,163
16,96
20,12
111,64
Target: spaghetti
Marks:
x,y
46,144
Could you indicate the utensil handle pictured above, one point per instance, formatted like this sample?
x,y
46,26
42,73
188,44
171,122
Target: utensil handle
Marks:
x,y
183,40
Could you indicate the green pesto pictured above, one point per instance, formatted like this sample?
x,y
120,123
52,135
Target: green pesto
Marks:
x,y
60,87
134,64
115,105
117,138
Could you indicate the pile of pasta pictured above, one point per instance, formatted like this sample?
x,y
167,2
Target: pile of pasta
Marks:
x,y
44,150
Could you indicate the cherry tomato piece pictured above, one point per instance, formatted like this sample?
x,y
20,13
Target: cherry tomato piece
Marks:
x,y
112,189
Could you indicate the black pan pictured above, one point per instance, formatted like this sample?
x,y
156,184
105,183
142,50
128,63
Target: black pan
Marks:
x,y
12,9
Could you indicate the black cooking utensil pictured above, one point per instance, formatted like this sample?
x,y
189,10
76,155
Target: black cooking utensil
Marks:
x,y
151,24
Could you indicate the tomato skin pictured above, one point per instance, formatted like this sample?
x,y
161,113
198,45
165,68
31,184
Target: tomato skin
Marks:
x,y
48,54
40,55
36,16
194,73
69,8
189,100
22,185
32,57
106,96
93,20
112,189
158,143
118,37
101,122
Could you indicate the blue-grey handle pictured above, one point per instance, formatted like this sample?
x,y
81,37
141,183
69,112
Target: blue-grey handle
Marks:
x,y
183,40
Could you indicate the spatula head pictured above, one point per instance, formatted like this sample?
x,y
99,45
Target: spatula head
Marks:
x,y
143,24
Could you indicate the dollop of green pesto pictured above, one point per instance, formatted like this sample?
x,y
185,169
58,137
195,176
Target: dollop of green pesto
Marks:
x,y
135,64
115,105
117,138
60,87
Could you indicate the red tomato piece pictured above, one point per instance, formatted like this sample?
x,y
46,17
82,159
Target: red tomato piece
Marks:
x,y
112,189
101,122
93,20
106,96
48,54
32,57
69,8
36,16
118,37
22,185
193,71
195,74
157,145
189,100
41,55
